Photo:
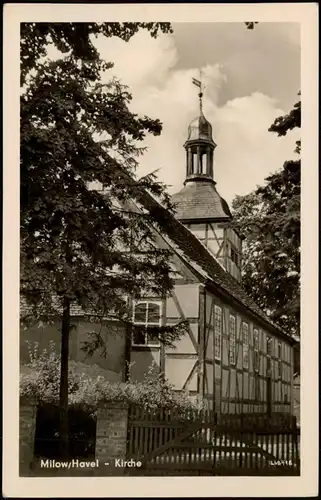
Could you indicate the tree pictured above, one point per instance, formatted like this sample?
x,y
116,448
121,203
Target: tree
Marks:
x,y
75,130
269,217
77,246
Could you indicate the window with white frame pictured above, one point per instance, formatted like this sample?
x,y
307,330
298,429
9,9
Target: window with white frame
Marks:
x,y
145,313
256,344
245,341
218,323
232,337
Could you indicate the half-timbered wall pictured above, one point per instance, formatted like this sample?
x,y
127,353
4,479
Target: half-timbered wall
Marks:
x,y
223,242
224,357
180,364
237,381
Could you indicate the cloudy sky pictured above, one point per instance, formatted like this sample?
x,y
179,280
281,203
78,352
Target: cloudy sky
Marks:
x,y
251,78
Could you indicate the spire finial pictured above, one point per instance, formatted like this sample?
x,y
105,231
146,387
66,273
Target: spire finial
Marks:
x,y
199,84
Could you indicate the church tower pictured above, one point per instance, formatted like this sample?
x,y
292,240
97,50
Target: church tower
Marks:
x,y
199,205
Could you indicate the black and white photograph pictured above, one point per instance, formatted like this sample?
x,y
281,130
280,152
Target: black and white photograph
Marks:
x,y
160,248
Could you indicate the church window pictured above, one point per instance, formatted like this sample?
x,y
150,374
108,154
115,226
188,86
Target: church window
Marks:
x,y
269,350
279,360
145,314
217,331
232,337
269,354
234,256
245,340
256,358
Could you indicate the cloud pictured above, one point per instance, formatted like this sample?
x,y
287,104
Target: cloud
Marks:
x,y
141,62
246,152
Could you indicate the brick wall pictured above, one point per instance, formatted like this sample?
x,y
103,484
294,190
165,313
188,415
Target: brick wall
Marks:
x,y
111,442
27,427
111,438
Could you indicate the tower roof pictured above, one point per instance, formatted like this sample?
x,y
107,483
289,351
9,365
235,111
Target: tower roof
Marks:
x,y
200,129
199,201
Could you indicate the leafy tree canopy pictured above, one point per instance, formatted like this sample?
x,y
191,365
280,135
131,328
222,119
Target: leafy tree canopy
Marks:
x,y
269,217
80,246
75,130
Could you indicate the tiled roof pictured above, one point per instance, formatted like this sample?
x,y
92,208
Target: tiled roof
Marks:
x,y
75,309
199,200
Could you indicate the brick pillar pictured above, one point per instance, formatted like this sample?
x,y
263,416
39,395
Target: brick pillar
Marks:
x,y
27,428
111,438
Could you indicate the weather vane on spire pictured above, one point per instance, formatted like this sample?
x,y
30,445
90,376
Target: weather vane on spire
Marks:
x,y
199,84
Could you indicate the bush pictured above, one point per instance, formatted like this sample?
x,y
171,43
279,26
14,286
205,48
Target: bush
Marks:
x,y
43,382
86,392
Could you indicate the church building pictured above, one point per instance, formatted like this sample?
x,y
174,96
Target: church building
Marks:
x,y
233,356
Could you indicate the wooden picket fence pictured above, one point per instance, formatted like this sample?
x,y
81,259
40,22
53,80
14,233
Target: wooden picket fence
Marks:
x,y
200,443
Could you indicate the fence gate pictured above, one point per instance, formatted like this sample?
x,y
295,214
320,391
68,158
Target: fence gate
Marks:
x,y
169,443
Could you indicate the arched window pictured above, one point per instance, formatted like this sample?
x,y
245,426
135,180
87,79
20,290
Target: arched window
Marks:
x,y
145,314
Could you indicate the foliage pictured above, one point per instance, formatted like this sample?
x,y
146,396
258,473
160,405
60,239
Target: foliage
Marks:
x,y
269,218
75,38
75,130
251,25
42,383
79,245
